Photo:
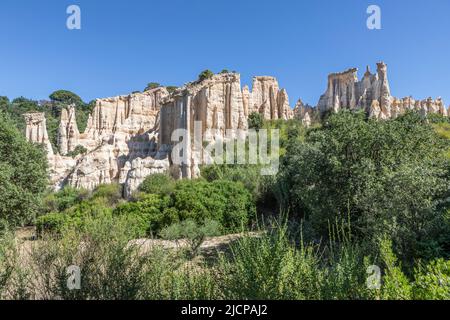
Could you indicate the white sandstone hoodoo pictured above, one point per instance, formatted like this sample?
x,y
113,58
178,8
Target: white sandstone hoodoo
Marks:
x,y
373,95
129,137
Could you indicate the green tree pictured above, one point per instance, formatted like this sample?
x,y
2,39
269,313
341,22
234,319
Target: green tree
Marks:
x,y
206,74
255,121
23,175
66,97
152,85
62,99
77,151
171,89
385,176
161,184
193,232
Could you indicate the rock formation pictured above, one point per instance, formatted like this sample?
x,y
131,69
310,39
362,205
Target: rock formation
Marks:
x,y
217,103
267,99
36,130
304,113
129,137
371,94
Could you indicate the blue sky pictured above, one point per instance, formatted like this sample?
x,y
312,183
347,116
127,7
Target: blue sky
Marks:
x,y
125,44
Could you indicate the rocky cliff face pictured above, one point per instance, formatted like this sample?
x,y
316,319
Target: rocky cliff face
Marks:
x,y
304,113
120,130
345,91
267,99
129,137
371,94
216,104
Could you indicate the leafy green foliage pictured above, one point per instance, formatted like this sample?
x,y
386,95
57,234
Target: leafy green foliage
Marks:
x,y
65,97
171,89
64,199
111,192
206,74
77,151
23,175
432,282
71,208
386,175
161,184
151,86
62,99
255,121
224,201
146,216
195,233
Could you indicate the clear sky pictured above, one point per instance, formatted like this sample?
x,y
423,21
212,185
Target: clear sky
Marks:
x,y
123,45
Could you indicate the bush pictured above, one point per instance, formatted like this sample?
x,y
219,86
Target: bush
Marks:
x,y
191,231
75,217
227,202
77,151
161,184
111,192
353,166
270,267
255,121
64,199
146,216
433,281
396,285
206,74
23,175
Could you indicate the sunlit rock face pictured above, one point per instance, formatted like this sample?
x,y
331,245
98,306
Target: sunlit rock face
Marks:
x,y
373,95
268,99
345,91
128,138
120,130
215,104
304,113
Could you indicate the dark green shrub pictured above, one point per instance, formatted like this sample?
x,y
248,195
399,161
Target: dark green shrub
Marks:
x,y
224,201
74,217
23,175
387,176
193,232
161,184
64,199
255,121
151,86
111,192
77,151
206,74
146,216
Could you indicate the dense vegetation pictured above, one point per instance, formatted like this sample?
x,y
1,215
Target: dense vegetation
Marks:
x,y
351,194
52,109
23,177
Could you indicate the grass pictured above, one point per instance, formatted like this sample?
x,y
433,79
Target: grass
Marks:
x,y
274,265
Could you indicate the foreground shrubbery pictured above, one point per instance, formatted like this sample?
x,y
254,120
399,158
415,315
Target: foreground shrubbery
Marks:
x,y
358,194
156,206
386,176
23,177
268,265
